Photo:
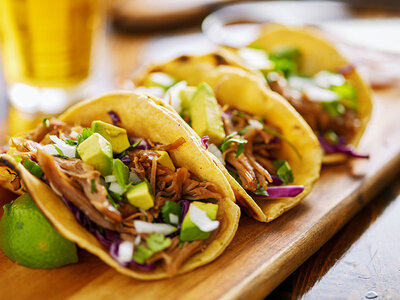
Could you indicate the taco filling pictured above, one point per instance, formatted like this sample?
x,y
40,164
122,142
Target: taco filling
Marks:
x,y
126,191
326,100
245,143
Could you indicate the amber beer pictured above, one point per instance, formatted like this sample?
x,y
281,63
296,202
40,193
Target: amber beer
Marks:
x,y
46,48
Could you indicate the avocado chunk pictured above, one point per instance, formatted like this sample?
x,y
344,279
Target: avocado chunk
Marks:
x,y
140,196
159,79
189,231
117,136
97,152
206,114
121,172
165,160
186,95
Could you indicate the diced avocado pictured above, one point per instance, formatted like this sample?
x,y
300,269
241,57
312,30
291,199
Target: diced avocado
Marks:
x,y
206,115
165,160
159,79
186,95
97,152
121,172
117,136
189,231
141,254
140,196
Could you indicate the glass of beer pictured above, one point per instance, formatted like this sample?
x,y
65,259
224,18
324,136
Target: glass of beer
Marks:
x,y
46,48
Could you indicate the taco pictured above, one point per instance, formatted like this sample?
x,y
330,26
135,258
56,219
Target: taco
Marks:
x,y
128,181
266,150
321,84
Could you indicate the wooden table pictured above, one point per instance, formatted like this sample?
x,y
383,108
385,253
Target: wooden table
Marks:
x,y
361,258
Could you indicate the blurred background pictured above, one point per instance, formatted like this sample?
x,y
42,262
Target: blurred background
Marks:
x,y
55,53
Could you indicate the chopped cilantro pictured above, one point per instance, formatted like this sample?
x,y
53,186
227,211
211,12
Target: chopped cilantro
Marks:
x,y
171,207
71,142
231,139
334,108
93,186
86,132
136,144
261,191
46,122
283,171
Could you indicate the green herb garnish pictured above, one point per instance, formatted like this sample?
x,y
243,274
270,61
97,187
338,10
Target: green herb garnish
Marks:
x,y
283,170
231,139
334,108
171,207
261,191
93,186
46,122
86,132
70,142
136,144
33,167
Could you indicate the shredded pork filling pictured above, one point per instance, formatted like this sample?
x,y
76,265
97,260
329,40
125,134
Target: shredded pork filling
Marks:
x,y
81,184
253,166
319,120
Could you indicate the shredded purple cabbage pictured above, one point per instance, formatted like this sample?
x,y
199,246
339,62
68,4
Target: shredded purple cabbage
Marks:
x,y
340,147
204,141
114,117
280,192
110,239
276,180
143,145
108,236
345,70
126,159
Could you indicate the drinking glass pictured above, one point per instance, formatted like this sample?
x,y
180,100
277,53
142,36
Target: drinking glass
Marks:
x,y
46,48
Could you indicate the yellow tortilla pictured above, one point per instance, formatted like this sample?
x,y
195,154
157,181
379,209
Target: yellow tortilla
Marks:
x,y
317,54
141,116
247,92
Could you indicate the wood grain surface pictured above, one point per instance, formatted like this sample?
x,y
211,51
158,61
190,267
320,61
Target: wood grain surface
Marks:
x,y
260,256
362,258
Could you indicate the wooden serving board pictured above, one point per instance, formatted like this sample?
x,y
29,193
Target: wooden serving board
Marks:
x,y
260,256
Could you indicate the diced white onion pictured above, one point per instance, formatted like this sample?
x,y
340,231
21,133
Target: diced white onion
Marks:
x,y
300,83
154,91
162,79
125,252
174,219
254,58
49,149
116,188
67,150
172,96
217,153
134,178
74,134
200,219
110,178
320,95
138,239
256,124
146,227
327,79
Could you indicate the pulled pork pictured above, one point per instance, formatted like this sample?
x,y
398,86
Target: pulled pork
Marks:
x,y
82,185
253,164
319,120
